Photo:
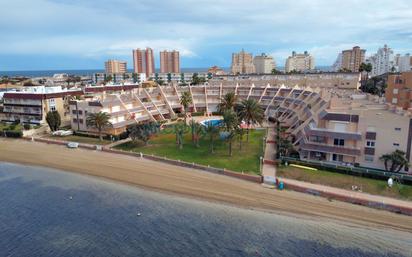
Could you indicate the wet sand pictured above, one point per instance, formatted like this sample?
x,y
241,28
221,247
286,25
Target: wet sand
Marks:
x,y
195,184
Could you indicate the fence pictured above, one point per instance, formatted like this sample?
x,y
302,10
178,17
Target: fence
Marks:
x,y
357,171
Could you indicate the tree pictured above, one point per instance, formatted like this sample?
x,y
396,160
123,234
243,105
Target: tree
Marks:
x,y
213,132
197,80
99,121
179,130
240,132
108,79
394,161
251,113
198,131
275,71
230,121
227,102
53,120
28,83
185,101
143,131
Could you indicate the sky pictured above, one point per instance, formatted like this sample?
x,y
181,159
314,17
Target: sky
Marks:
x,y
82,34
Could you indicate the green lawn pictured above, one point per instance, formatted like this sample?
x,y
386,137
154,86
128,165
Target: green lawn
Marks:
x,y
368,185
80,139
164,145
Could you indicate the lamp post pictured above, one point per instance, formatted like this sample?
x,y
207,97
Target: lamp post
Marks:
x,y
260,164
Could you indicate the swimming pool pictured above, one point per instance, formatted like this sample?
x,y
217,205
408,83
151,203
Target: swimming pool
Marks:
x,y
214,123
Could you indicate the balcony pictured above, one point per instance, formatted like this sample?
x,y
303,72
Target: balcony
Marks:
x,y
338,149
333,134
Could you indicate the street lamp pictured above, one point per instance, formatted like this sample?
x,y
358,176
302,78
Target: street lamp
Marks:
x,y
260,164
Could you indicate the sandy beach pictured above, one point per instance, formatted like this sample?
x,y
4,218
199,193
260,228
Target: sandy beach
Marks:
x,y
195,184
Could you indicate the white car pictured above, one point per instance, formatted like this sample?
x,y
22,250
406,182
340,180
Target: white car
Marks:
x,y
72,145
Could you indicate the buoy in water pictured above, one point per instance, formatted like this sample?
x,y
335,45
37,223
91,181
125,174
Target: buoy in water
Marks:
x,y
138,214
71,197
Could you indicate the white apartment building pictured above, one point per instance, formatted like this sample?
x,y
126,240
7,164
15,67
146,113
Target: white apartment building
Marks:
x,y
300,62
404,63
264,64
382,62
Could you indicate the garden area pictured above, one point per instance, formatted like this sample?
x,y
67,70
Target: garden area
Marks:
x,y
11,130
344,181
80,139
164,144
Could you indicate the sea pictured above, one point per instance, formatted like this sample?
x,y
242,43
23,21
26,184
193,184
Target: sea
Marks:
x,y
47,212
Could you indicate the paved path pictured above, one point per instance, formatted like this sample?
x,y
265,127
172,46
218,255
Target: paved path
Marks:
x,y
269,169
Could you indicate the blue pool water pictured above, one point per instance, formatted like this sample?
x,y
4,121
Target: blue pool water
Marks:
x,y
45,212
214,123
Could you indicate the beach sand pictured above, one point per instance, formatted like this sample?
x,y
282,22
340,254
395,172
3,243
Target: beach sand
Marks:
x,y
195,184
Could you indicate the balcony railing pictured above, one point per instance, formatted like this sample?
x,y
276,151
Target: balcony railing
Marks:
x,y
319,147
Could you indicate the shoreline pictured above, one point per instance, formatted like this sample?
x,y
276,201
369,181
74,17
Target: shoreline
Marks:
x,y
186,182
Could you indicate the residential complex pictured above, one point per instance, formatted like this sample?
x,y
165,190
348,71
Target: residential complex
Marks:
x,y
382,62
339,80
352,59
214,70
404,63
143,61
31,105
264,64
115,66
242,63
99,78
327,124
398,92
300,62
169,61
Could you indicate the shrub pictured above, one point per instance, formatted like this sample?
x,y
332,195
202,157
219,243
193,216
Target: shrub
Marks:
x,y
26,126
12,133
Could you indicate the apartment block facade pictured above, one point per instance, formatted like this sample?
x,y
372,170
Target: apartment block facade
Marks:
x,y
353,58
143,61
382,62
403,62
398,93
264,64
115,66
169,61
242,63
32,105
300,62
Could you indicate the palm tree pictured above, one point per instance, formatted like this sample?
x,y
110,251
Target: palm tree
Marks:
x,y
179,130
99,121
185,101
199,131
396,160
230,121
143,131
251,113
240,133
212,131
227,102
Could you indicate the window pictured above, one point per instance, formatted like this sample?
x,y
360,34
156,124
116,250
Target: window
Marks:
x,y
394,100
369,158
398,129
80,112
74,112
75,120
338,141
395,144
370,144
81,121
395,91
337,157
53,108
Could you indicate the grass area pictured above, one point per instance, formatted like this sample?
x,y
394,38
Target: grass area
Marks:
x,y
80,139
164,145
16,127
368,185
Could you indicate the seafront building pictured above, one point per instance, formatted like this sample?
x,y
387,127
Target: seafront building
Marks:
x,y
352,59
33,103
242,63
143,61
300,62
215,70
340,126
100,77
348,81
398,92
382,62
115,66
169,62
264,64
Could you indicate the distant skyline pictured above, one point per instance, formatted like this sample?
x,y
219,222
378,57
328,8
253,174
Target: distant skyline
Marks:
x,y
83,34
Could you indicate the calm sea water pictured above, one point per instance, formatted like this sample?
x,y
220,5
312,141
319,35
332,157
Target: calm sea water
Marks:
x,y
44,212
